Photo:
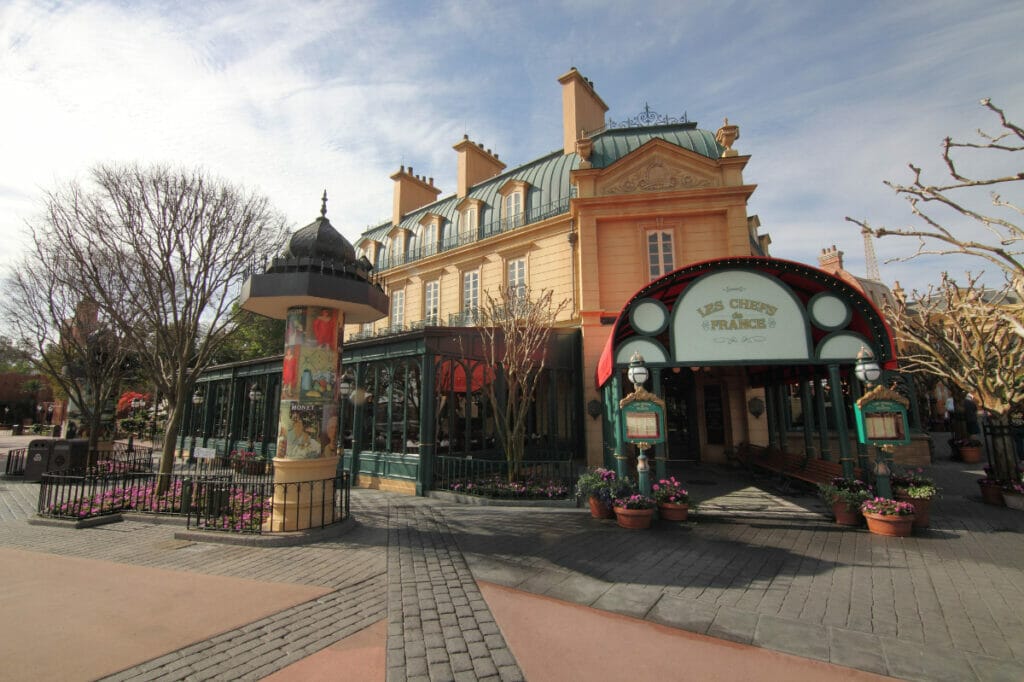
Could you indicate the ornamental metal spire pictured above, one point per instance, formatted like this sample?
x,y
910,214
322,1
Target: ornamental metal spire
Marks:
x,y
323,205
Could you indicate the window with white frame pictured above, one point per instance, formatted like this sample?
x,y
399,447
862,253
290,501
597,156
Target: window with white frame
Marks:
x,y
470,294
516,277
398,308
512,213
431,301
659,253
428,239
467,224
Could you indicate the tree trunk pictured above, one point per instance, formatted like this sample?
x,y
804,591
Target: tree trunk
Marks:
x,y
174,416
1001,452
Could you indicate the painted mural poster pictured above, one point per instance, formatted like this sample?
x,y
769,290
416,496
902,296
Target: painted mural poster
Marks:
x,y
300,437
310,357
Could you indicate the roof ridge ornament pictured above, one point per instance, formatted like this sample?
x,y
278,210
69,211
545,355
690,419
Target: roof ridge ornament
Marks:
x,y
647,117
323,204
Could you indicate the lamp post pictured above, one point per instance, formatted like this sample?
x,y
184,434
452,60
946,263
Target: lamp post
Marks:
x,y
867,371
638,375
345,386
255,394
197,400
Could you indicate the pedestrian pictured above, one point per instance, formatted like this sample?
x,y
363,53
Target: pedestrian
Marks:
x,y
72,431
971,415
950,408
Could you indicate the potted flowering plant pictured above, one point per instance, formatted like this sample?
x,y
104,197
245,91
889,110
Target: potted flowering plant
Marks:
x,y
967,449
991,489
845,495
914,487
597,486
634,511
672,498
1013,495
888,517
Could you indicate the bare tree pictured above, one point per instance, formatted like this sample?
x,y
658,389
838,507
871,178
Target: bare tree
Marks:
x,y
514,329
53,315
942,208
965,334
969,335
164,252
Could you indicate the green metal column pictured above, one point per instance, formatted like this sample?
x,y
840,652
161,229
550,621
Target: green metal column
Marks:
x,y
660,450
839,412
770,414
856,391
780,416
615,389
358,414
425,481
807,407
819,401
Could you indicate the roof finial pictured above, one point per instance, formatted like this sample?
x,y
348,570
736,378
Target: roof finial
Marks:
x,y
323,205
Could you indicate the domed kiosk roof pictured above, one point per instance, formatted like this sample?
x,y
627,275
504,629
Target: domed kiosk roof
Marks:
x,y
320,241
319,268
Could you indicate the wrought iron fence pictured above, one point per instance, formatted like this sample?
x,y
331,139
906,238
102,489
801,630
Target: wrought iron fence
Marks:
x,y
231,506
459,470
15,465
218,502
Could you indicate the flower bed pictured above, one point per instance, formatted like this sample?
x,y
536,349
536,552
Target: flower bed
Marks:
x,y
500,488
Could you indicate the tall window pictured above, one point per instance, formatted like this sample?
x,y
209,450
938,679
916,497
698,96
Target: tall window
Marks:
x,y
470,294
398,308
517,276
431,301
428,239
659,253
512,216
467,226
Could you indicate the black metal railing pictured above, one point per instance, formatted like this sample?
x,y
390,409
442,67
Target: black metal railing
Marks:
x,y
231,506
454,240
15,465
453,470
226,502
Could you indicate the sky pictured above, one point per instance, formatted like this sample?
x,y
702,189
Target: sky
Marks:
x,y
290,98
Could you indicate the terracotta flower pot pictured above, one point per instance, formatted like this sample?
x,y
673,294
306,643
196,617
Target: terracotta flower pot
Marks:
x,y
634,518
922,510
846,515
671,511
991,493
889,525
1014,500
970,454
599,509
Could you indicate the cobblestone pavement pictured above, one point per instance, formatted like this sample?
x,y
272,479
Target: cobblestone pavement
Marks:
x,y
945,604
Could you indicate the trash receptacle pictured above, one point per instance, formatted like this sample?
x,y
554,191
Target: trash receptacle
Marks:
x,y
37,458
16,430
69,456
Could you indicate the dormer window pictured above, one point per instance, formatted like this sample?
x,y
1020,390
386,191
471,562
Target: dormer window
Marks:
x,y
426,235
513,204
469,220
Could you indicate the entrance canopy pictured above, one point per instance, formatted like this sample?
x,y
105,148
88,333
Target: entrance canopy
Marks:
x,y
751,311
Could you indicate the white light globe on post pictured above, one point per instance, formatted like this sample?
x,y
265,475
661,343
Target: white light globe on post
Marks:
x,y
866,369
637,371
197,398
255,393
345,387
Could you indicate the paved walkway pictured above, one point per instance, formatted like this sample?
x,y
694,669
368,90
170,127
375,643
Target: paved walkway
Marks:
x,y
944,604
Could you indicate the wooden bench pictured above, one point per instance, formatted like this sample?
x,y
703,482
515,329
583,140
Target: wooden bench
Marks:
x,y
791,465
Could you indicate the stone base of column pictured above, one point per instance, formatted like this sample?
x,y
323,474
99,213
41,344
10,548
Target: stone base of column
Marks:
x,y
303,503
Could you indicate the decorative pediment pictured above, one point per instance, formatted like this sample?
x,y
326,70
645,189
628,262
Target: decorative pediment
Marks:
x,y
659,167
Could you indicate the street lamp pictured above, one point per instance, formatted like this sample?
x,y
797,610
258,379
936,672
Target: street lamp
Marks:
x,y
197,400
866,369
637,371
255,394
868,372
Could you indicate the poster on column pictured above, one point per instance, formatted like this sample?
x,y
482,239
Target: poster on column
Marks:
x,y
301,439
318,359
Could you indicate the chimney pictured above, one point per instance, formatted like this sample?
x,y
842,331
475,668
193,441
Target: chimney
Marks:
x,y
476,164
582,109
831,260
411,192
